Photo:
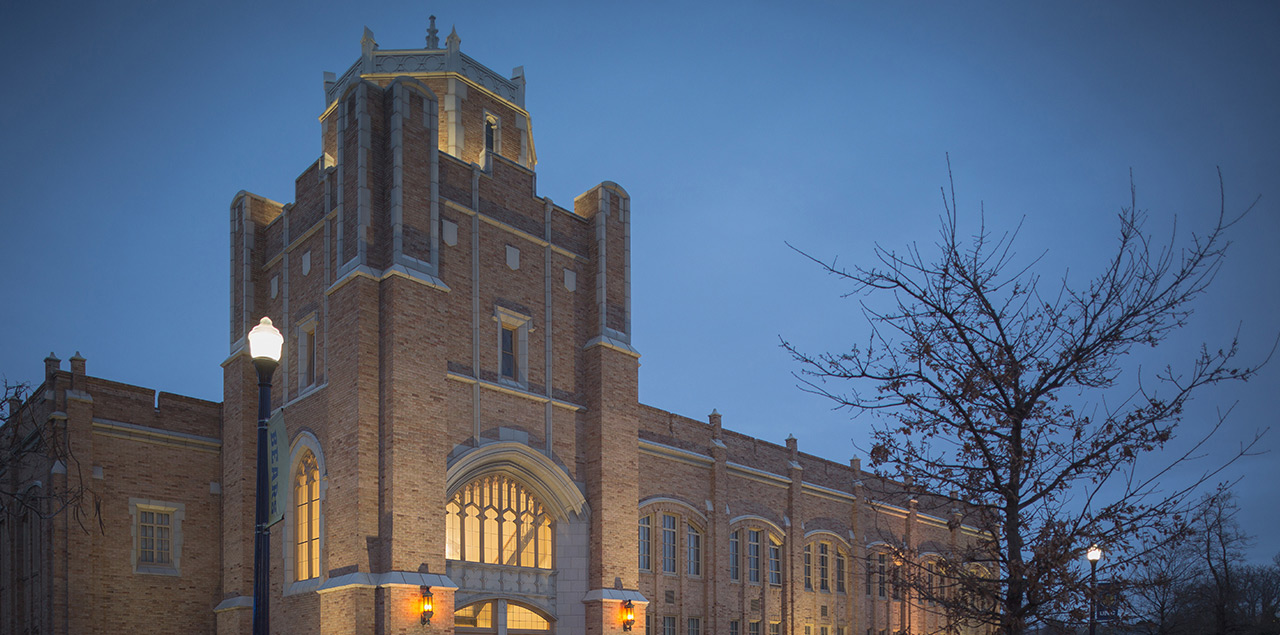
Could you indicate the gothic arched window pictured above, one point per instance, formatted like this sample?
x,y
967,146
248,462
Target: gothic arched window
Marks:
x,y
306,496
494,520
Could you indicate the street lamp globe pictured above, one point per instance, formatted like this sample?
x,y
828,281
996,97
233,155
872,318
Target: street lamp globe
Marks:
x,y
1094,553
265,341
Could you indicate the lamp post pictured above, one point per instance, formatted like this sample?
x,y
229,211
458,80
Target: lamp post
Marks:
x,y
1094,554
265,343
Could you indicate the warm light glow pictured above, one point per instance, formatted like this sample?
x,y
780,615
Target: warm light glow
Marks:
x,y
1094,554
428,607
265,341
628,615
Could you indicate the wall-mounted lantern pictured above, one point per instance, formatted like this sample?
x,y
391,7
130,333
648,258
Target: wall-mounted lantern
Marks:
x,y
628,615
427,605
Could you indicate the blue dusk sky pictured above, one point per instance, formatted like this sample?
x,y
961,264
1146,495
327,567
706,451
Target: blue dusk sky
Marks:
x,y
127,127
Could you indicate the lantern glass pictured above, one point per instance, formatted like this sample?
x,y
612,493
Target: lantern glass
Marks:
x,y
265,341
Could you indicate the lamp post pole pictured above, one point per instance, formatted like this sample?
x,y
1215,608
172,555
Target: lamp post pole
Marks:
x,y
264,346
1094,555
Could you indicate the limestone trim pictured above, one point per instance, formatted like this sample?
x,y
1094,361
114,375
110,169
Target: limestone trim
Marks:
x,y
609,342
669,452
144,434
758,475
234,603
361,579
548,482
826,535
619,595
511,390
378,275
517,232
760,521
177,513
686,508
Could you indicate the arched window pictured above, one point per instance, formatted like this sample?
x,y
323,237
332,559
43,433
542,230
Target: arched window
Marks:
x,y
494,520
492,134
484,617
306,497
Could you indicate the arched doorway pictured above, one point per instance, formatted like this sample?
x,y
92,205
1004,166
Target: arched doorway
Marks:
x,y
499,617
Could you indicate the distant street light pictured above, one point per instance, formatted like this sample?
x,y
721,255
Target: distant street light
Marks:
x,y
265,343
1094,554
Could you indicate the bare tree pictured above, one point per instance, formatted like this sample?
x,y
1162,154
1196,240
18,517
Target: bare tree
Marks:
x,y
34,449
992,389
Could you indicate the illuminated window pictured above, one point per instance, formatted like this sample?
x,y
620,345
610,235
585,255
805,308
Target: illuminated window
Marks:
x,y
306,497
645,544
693,546
494,520
753,556
520,618
668,543
733,556
823,548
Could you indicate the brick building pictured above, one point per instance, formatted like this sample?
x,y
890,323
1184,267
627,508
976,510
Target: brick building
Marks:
x,y
459,394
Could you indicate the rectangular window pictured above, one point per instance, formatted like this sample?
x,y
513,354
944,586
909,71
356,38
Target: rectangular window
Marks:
x,y
929,592
645,544
880,571
808,568
695,626
753,628
733,556
775,564
840,573
669,545
753,556
509,339
808,629
694,548
870,569
897,582
822,630
154,544
669,625
822,566
733,627
775,628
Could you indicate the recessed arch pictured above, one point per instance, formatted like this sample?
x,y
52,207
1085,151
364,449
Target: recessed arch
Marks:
x,y
692,511
751,519
548,482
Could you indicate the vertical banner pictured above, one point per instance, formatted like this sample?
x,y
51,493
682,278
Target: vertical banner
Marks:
x,y
277,453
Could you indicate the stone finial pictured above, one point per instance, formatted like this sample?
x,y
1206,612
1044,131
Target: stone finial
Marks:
x,y
367,44
714,418
453,42
791,444
51,365
856,464
433,41
77,364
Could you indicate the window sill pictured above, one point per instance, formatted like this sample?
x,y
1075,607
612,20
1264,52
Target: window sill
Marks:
x,y
156,570
302,586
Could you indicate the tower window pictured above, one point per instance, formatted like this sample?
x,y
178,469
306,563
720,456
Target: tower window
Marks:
x,y
509,352
492,133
